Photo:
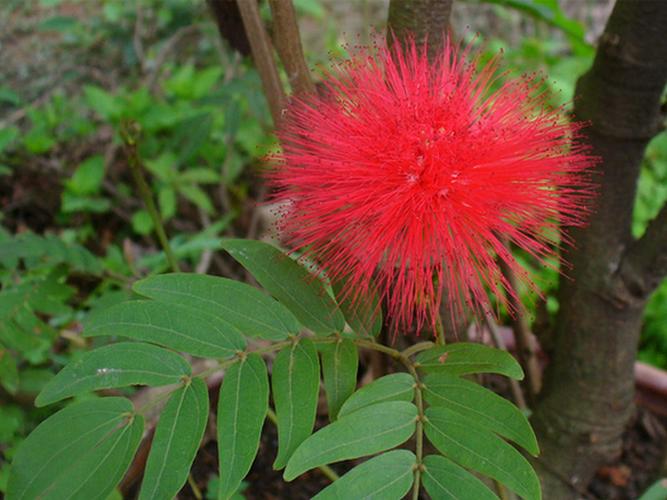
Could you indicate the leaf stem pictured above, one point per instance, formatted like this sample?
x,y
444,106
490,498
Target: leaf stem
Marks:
x,y
419,430
129,132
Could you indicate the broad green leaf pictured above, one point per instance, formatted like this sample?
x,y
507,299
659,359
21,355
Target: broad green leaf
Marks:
x,y
116,365
444,480
197,196
657,491
369,430
477,448
388,477
88,176
394,387
463,358
170,325
340,362
242,407
167,201
9,375
177,437
290,283
363,313
481,406
142,222
81,452
295,382
248,309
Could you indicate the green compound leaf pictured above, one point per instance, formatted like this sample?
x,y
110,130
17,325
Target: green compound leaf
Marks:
x,y
363,314
177,437
242,407
369,430
296,384
81,452
290,283
117,365
463,358
394,387
479,449
340,362
388,476
248,309
482,406
444,480
170,325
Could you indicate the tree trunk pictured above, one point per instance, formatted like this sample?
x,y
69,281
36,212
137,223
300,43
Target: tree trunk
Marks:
x,y
424,20
588,395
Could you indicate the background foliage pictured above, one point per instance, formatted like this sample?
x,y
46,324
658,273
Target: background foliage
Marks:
x,y
73,233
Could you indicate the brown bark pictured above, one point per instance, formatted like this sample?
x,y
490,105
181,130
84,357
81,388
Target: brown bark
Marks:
x,y
589,387
288,43
262,54
425,20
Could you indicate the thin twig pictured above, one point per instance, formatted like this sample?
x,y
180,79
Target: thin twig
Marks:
x,y
288,44
525,348
262,53
129,132
517,393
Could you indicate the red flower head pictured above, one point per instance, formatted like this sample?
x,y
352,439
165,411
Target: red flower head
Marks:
x,y
407,175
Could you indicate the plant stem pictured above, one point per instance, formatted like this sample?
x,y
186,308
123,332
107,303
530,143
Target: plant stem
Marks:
x,y
419,430
325,469
129,132
439,331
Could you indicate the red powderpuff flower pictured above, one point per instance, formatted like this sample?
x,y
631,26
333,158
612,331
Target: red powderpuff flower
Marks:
x,y
407,175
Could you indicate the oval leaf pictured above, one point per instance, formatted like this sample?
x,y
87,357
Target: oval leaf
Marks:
x,y
80,452
171,325
463,358
177,437
369,430
394,387
248,309
290,283
476,448
340,361
363,313
482,407
242,407
444,480
388,476
296,384
117,365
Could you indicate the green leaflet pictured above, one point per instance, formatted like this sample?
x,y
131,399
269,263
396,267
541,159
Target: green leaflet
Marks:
x,y
340,362
463,358
242,407
394,387
296,383
388,476
444,480
290,283
81,452
369,430
363,314
477,448
252,312
116,365
482,406
177,437
170,325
